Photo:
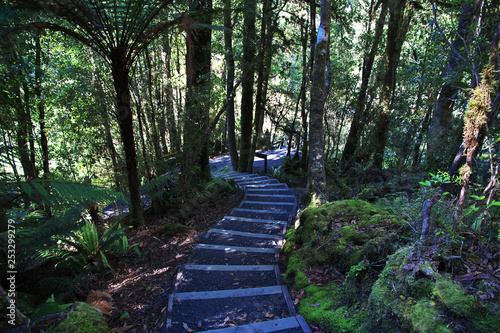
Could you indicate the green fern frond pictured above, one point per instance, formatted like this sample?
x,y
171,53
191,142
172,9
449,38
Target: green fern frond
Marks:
x,y
54,192
158,184
220,173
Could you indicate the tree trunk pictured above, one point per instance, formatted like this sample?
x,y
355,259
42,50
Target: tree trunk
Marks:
x,y
438,140
198,61
358,120
303,87
173,133
229,58
317,180
264,69
396,33
249,12
41,106
125,121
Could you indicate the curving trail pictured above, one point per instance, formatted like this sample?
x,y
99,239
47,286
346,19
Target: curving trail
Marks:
x,y
232,282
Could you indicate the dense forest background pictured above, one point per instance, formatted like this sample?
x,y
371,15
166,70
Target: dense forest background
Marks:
x,y
103,101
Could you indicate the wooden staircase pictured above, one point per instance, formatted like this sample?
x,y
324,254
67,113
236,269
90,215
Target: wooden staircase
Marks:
x,y
231,282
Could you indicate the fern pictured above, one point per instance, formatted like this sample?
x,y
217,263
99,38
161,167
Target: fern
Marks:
x,y
220,173
156,187
60,192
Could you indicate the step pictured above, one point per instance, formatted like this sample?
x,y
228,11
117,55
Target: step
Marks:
x,y
261,214
255,181
295,324
269,191
205,254
220,277
245,239
240,176
207,310
266,186
271,197
252,225
263,205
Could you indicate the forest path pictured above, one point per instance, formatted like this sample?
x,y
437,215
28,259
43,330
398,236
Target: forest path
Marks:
x,y
231,282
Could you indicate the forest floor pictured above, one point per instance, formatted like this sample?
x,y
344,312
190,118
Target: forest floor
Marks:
x,y
140,285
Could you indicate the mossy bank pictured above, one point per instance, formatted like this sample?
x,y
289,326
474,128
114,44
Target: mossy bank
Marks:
x,y
384,282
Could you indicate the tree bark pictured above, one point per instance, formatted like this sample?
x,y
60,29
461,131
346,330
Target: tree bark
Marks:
x,y
396,33
316,177
120,74
229,58
198,59
264,69
249,12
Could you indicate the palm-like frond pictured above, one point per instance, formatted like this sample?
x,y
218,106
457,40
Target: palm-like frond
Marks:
x,y
60,192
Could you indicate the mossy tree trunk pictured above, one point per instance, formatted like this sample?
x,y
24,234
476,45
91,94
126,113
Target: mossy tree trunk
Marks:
x,y
317,186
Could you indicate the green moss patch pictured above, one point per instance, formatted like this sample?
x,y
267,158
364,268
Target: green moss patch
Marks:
x,y
326,306
341,233
83,319
173,229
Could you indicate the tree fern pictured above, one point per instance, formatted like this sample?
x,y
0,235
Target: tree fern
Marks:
x,y
60,192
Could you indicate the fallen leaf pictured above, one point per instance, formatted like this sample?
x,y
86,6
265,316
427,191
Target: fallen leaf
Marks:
x,y
269,315
186,327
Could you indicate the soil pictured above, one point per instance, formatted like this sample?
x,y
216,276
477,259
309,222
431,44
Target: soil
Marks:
x,y
140,285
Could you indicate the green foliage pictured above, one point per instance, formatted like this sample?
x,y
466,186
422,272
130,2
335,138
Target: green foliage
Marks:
x,y
50,306
89,245
59,192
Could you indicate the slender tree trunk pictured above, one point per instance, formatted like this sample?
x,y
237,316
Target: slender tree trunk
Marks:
x,y
317,179
303,86
41,106
125,121
152,109
264,69
249,12
359,118
140,118
438,139
229,58
173,133
396,33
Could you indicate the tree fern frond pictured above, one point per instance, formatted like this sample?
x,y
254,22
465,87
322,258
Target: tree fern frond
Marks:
x,y
52,192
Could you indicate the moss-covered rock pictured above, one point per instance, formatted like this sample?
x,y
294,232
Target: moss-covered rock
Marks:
x,y
424,300
83,319
341,233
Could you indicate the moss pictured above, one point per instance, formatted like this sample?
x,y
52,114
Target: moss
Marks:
x,y
453,297
324,306
357,284
172,229
295,272
344,232
425,318
83,319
